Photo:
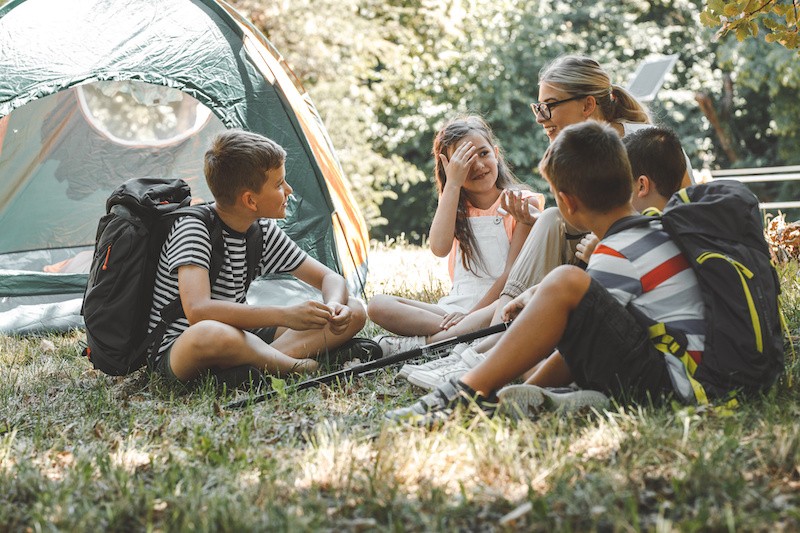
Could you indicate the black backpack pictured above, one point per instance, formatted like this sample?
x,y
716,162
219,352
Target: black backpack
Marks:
x,y
119,293
717,226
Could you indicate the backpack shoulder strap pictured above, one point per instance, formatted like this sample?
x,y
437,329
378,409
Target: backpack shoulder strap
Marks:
x,y
255,249
204,212
207,214
631,222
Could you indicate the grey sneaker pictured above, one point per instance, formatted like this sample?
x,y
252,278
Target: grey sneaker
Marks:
x,y
391,345
527,401
432,379
435,408
454,357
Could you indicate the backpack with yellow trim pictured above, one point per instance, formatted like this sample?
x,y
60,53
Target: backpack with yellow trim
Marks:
x,y
717,226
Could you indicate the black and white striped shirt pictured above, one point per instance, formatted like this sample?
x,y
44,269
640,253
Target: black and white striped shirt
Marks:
x,y
189,243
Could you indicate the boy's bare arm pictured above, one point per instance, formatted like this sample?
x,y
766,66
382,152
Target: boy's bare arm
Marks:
x,y
195,291
515,306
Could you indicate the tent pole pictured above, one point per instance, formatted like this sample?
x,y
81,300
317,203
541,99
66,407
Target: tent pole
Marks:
x,y
362,282
371,366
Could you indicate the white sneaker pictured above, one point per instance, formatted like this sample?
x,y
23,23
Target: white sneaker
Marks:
x,y
391,345
433,379
454,357
527,401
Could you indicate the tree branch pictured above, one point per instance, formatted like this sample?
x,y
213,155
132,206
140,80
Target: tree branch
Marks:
x,y
707,106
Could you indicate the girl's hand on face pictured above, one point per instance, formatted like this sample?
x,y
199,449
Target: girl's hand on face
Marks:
x,y
525,210
458,166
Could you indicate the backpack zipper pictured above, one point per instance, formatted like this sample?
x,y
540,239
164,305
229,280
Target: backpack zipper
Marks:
x,y
108,254
744,275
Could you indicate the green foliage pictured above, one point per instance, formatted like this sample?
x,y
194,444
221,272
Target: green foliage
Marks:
x,y
777,17
385,74
768,79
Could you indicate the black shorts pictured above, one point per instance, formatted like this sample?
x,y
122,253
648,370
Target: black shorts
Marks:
x,y
606,349
164,369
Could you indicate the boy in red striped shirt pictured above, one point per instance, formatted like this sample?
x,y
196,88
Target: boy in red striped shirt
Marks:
x,y
586,316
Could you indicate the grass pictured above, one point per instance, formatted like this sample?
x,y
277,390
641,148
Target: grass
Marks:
x,y
81,451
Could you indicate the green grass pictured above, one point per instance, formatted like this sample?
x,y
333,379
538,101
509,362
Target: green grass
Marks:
x,y
81,451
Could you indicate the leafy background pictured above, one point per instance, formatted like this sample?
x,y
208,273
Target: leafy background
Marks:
x,y
386,73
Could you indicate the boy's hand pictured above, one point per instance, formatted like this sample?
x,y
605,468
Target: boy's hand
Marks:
x,y
340,318
524,210
457,168
308,315
451,319
586,247
515,306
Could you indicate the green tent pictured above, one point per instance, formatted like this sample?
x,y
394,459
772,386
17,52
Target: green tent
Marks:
x,y
94,92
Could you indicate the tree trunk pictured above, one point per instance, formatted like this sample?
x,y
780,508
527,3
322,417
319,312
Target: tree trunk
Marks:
x,y
707,107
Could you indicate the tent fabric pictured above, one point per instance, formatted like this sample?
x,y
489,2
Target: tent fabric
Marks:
x,y
94,92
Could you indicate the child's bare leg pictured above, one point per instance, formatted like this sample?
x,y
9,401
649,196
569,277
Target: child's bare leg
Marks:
x,y
497,317
312,342
535,332
209,343
405,317
552,372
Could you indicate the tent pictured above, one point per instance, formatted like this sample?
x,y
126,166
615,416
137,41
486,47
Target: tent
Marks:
x,y
93,92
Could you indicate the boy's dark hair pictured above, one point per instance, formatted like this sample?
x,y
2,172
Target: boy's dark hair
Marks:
x,y
238,160
588,161
656,153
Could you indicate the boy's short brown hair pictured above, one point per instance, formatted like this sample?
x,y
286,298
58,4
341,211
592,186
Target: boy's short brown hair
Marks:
x,y
657,153
588,161
239,160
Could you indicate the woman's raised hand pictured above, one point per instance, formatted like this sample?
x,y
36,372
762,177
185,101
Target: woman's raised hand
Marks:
x,y
457,167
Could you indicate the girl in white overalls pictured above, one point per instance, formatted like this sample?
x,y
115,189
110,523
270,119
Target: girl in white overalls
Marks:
x,y
481,243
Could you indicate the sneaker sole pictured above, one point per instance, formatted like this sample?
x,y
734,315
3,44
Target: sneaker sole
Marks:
x,y
529,400
520,401
423,381
406,370
433,379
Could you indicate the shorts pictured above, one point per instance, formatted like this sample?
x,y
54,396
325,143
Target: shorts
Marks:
x,y
606,349
164,369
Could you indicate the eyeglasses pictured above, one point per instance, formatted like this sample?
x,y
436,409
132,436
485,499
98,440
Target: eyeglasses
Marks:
x,y
545,109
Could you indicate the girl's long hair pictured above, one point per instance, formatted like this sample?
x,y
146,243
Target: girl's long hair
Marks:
x,y
579,75
456,129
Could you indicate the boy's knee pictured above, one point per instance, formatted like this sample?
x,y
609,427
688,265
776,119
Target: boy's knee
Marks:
x,y
202,346
359,312
211,335
377,305
550,222
569,280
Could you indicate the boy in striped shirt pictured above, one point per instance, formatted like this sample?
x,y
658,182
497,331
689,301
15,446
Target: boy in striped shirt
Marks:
x,y
221,332
584,315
